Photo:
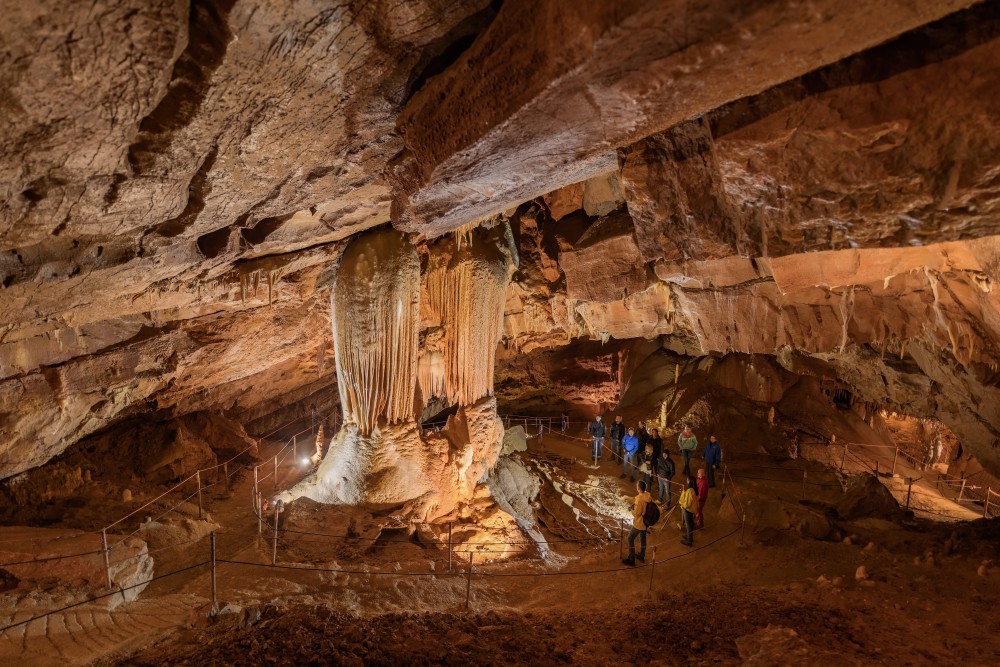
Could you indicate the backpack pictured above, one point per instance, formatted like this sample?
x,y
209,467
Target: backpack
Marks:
x,y
651,514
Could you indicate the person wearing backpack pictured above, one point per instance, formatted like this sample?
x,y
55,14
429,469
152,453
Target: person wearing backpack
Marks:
x,y
665,472
630,447
639,513
688,502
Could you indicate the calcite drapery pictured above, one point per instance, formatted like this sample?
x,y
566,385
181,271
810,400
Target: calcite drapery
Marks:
x,y
375,318
466,291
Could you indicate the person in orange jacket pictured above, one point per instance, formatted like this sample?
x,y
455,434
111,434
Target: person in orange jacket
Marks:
x,y
638,526
702,484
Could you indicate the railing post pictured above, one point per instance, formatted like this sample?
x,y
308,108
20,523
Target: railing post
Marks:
x,y
909,489
468,583
894,457
621,537
197,479
449,546
225,473
215,589
294,445
274,548
876,468
652,566
986,506
256,489
107,559
260,518
843,460
275,472
961,491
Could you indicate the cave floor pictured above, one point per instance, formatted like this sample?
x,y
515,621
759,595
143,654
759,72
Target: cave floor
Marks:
x,y
927,596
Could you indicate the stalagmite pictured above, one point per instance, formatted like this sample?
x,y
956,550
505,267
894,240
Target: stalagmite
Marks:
x,y
375,324
320,442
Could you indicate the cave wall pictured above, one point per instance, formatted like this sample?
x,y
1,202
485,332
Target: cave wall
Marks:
x,y
180,181
177,179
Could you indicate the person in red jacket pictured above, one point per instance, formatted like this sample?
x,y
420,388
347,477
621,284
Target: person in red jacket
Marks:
x,y
699,514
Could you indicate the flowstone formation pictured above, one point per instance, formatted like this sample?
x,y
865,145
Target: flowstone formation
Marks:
x,y
382,455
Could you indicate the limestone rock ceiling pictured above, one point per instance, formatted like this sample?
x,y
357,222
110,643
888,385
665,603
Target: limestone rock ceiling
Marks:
x,y
180,181
511,122
155,155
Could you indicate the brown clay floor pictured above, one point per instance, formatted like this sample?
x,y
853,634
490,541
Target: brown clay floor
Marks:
x,y
696,606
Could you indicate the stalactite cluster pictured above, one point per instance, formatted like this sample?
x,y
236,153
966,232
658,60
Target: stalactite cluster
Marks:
x,y
467,292
375,326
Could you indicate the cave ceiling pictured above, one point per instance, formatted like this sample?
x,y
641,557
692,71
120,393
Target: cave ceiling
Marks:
x,y
819,182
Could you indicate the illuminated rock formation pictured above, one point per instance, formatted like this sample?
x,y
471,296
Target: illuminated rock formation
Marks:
x,y
381,455
466,283
376,303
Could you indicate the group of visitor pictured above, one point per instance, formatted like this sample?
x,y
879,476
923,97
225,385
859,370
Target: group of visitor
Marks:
x,y
692,504
643,454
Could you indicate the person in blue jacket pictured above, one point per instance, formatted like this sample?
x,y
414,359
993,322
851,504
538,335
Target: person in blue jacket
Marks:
x,y
630,447
713,459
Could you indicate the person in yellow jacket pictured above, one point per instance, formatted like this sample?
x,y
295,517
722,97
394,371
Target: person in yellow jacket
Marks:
x,y
638,527
688,503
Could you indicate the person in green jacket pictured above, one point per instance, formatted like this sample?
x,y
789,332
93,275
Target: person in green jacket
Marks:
x,y
687,443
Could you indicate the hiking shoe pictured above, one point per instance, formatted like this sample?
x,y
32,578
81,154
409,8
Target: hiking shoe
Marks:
x,y
687,543
628,561
621,476
641,557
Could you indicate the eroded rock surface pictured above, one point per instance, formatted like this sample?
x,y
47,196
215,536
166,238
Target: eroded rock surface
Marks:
x,y
181,181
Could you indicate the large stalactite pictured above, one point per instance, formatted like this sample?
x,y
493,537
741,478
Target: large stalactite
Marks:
x,y
380,455
466,286
376,304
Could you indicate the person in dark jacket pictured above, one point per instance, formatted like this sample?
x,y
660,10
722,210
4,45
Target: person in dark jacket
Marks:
x,y
617,433
643,435
657,442
713,459
665,472
630,446
597,435
564,423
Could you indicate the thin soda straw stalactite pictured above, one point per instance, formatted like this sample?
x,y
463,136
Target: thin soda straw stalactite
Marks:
x,y
375,325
